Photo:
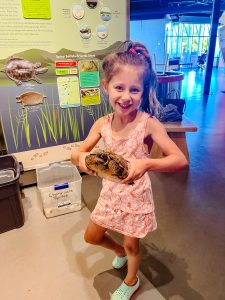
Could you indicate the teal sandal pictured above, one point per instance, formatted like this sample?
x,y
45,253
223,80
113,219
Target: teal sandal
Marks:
x,y
119,262
125,292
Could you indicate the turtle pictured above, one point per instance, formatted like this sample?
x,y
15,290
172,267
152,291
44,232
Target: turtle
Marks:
x,y
30,98
19,70
107,164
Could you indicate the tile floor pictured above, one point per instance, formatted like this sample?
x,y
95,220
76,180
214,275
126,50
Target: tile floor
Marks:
x,y
47,259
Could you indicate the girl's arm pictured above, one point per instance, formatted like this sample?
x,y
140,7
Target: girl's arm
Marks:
x,y
174,158
78,155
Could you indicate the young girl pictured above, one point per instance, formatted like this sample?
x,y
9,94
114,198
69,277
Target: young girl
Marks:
x,y
129,131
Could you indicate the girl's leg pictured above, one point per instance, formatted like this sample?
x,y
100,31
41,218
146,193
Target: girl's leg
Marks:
x,y
97,235
131,246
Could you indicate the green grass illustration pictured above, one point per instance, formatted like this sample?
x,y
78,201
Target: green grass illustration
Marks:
x,y
37,136
66,127
50,123
26,127
4,135
43,127
99,111
73,124
15,135
82,118
60,125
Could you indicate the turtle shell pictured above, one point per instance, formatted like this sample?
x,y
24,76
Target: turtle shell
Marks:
x,y
108,165
30,98
19,70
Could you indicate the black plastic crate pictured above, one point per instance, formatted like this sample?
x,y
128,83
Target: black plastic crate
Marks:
x,y
11,209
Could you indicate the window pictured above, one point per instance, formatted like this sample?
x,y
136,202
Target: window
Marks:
x,y
188,41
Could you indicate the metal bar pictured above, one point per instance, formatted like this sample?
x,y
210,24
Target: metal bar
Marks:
x,y
143,12
212,45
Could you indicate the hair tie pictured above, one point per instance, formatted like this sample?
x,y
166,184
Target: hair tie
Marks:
x,y
133,51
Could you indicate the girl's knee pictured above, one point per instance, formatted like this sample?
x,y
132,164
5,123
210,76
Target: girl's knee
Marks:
x,y
92,238
89,238
94,234
131,248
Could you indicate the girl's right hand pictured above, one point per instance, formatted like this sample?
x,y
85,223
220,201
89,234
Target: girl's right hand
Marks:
x,y
82,165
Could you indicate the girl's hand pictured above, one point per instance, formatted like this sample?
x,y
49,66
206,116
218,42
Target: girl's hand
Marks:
x,y
137,168
82,165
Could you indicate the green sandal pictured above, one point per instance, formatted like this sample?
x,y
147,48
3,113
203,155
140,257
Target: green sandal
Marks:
x,y
125,292
119,262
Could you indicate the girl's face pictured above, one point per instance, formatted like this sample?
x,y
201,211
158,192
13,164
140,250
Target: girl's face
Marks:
x,y
125,89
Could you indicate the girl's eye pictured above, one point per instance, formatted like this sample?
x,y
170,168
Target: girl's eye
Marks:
x,y
119,88
135,90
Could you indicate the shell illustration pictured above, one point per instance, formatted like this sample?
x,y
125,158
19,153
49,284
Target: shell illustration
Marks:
x,y
19,70
30,98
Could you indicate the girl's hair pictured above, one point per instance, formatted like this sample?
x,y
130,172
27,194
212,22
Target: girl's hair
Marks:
x,y
135,54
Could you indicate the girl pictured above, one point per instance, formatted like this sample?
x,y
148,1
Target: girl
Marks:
x,y
129,131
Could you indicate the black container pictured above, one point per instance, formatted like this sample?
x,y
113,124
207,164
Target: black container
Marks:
x,y
11,210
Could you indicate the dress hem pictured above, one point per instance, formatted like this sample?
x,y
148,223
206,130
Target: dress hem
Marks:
x,y
120,231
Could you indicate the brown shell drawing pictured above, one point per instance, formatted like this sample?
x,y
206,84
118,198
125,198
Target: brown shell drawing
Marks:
x,y
30,98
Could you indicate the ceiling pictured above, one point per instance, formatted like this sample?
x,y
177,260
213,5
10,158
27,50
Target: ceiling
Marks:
x,y
158,9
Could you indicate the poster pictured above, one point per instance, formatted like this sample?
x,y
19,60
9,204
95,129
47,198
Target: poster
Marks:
x,y
50,63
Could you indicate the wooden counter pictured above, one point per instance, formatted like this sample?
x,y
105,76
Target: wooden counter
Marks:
x,y
177,132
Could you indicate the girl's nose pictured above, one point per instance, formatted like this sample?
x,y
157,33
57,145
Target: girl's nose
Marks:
x,y
126,95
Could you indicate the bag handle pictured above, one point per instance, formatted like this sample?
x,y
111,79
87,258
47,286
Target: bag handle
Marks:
x,y
173,91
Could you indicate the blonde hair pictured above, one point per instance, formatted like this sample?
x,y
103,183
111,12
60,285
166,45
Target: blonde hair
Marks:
x,y
135,54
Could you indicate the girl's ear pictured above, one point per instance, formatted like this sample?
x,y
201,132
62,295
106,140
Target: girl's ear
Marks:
x,y
104,85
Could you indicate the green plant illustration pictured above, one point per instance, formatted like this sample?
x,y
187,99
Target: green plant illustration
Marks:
x,y
82,118
4,135
14,134
50,123
99,111
38,140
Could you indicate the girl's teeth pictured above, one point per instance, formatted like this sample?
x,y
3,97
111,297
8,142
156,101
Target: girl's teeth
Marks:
x,y
125,105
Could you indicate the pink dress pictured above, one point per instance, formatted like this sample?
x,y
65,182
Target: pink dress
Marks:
x,y
127,209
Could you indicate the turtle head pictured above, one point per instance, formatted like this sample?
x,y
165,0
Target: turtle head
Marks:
x,y
18,99
37,65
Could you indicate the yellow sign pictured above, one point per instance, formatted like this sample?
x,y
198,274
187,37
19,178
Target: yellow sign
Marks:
x,y
36,9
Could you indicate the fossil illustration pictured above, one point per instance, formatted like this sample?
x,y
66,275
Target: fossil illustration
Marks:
x,y
19,70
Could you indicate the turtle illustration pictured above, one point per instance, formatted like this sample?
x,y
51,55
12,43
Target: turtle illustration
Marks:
x,y
19,70
30,98
107,165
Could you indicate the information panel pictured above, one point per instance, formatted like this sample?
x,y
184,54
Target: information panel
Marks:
x,y
50,63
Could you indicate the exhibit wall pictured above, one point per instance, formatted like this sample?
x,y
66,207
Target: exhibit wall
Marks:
x,y
50,63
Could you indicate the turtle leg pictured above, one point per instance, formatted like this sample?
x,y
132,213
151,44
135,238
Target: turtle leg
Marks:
x,y
18,82
38,80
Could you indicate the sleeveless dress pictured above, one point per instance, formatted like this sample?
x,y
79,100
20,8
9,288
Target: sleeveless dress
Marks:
x,y
127,209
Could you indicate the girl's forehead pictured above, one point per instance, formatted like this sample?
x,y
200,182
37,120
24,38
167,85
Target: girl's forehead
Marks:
x,y
129,70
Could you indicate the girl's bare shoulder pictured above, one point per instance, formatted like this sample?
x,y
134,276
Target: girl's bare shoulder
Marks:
x,y
100,122
154,125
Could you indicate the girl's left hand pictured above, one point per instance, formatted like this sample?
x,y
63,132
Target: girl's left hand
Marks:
x,y
137,168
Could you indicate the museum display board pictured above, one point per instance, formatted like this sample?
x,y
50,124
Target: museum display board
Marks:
x,y
50,62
